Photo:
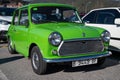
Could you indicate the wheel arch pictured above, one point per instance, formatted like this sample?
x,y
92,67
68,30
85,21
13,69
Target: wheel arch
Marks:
x,y
30,48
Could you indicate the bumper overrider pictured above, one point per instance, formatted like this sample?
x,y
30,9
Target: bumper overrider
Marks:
x,y
108,53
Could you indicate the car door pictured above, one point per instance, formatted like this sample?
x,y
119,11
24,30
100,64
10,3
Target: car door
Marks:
x,y
105,19
21,32
13,26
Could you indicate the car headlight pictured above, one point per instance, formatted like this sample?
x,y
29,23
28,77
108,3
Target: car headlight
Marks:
x,y
55,38
105,36
4,22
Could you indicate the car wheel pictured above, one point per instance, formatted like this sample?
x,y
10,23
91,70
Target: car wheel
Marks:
x,y
10,49
38,64
5,40
101,61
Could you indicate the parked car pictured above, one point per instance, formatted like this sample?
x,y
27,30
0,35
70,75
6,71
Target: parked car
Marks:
x,y
5,21
44,33
109,19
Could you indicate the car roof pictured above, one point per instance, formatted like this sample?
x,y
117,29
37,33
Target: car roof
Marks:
x,y
97,9
48,4
105,8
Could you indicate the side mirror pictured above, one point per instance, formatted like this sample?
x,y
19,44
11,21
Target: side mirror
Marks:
x,y
117,21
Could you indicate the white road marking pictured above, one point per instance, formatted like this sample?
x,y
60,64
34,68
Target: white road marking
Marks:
x,y
3,76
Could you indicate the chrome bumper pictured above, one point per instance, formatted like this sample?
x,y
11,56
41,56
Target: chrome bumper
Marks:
x,y
77,58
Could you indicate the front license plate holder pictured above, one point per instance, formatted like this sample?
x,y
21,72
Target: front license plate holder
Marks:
x,y
84,62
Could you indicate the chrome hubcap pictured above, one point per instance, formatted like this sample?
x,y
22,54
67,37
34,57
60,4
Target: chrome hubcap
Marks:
x,y
35,60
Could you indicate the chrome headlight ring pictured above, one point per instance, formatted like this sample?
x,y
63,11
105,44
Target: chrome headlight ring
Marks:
x,y
55,38
105,36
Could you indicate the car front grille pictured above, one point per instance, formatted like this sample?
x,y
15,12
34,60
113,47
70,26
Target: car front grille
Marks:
x,y
3,33
80,47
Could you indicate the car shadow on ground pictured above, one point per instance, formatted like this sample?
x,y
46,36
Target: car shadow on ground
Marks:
x,y
10,59
110,61
115,56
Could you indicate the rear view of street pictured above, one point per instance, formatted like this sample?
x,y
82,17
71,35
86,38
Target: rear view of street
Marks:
x,y
16,67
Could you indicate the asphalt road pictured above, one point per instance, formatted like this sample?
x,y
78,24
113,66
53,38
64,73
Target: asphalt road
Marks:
x,y
16,67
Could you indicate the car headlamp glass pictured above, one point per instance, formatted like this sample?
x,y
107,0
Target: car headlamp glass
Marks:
x,y
55,38
105,36
3,22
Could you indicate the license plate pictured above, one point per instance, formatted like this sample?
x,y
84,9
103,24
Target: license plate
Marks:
x,y
84,62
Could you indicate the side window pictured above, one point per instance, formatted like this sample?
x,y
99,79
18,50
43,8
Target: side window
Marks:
x,y
105,18
90,17
23,17
15,20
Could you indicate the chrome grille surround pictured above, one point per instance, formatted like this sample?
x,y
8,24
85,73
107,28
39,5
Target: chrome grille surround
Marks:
x,y
80,46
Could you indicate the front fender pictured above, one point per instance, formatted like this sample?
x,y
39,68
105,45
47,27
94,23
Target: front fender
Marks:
x,y
40,38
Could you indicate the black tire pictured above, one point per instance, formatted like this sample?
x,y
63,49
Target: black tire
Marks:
x,y
5,40
101,61
38,64
10,49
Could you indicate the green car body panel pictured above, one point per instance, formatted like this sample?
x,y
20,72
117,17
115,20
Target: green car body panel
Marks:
x,y
23,38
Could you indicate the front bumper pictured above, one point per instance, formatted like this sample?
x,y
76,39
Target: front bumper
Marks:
x,y
3,35
78,58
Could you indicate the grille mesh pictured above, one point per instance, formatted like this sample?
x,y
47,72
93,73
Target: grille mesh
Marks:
x,y
79,47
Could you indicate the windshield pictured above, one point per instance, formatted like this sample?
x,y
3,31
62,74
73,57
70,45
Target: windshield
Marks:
x,y
54,14
6,11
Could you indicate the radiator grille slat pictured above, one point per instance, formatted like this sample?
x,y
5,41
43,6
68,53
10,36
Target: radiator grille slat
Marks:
x,y
80,47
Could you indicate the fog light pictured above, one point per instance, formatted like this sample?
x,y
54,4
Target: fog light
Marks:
x,y
54,52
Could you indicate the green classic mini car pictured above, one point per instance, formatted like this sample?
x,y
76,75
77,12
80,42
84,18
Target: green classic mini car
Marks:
x,y
54,33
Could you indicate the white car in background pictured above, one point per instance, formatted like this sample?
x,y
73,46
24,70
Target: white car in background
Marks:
x,y
109,19
5,21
